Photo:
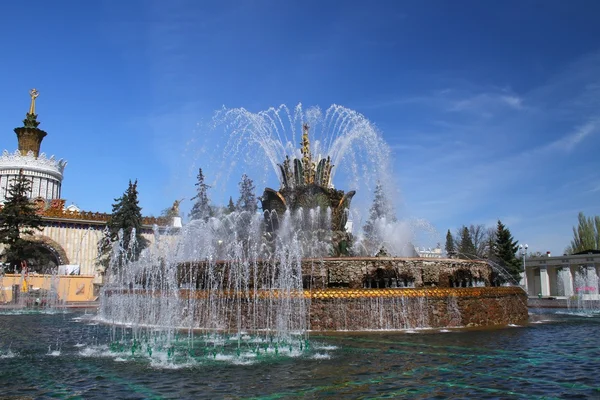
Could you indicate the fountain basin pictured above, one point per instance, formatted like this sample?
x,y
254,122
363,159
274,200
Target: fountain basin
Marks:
x,y
340,309
339,294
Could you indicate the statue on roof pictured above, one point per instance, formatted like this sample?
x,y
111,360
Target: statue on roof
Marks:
x,y
174,210
34,94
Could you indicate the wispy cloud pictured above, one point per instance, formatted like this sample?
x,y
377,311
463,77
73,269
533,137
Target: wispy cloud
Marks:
x,y
513,101
480,102
495,153
573,139
595,188
485,103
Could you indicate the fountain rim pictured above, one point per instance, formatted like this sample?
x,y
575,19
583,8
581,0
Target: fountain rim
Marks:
x,y
331,293
350,258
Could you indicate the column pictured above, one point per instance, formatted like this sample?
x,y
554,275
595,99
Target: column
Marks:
x,y
567,278
592,280
544,281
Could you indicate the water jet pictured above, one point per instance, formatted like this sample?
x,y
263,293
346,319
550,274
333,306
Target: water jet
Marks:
x,y
295,267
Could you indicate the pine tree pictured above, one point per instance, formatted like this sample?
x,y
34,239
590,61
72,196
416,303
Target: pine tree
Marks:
x,y
505,250
247,206
466,248
230,206
381,208
450,249
247,201
126,217
201,208
18,218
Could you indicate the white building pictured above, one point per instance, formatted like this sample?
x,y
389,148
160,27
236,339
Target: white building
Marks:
x,y
45,174
563,276
429,252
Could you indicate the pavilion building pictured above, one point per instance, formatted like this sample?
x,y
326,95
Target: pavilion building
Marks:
x,y
45,174
69,236
564,276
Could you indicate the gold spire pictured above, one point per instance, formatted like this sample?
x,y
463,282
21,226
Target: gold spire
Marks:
x,y
305,143
308,164
34,94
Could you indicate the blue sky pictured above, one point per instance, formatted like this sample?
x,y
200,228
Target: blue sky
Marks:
x,y
491,109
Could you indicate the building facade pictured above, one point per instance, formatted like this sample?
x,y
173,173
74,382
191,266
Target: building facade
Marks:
x,y
563,276
69,235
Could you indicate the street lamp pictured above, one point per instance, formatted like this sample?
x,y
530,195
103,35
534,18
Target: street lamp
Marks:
x,y
523,254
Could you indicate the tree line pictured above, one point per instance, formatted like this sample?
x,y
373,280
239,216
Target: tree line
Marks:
x,y
586,235
493,244
124,227
19,222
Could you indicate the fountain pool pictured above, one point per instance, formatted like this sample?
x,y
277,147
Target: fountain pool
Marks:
x,y
67,355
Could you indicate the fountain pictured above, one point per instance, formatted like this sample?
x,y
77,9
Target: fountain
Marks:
x,y
306,185
585,298
264,280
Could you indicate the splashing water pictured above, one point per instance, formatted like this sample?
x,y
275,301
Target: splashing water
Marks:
x,y
353,143
358,153
226,282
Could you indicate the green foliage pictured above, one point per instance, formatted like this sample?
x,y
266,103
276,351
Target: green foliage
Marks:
x,y
126,218
450,249
505,252
586,236
18,218
465,246
201,208
30,121
230,206
247,200
477,247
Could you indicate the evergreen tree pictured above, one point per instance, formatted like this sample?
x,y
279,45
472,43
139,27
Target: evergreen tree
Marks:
x,y
247,206
586,236
381,208
230,206
490,248
247,200
505,250
18,218
201,208
466,248
126,217
450,249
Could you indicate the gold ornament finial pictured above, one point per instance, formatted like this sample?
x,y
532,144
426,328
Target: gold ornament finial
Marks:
x,y
34,94
307,162
305,150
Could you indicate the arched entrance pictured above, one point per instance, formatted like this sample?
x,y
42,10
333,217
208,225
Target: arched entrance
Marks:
x,y
47,255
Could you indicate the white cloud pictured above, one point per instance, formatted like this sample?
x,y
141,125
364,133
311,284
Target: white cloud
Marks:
x,y
571,140
513,101
486,103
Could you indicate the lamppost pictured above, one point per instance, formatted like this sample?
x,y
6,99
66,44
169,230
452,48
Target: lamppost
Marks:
x,y
524,254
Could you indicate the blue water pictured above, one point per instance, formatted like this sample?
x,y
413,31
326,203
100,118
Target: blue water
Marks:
x,y
68,355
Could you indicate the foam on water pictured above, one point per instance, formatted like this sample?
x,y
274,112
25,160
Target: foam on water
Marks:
x,y
9,354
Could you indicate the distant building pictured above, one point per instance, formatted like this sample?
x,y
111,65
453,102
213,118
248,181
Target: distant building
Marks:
x,y
69,236
563,276
429,252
